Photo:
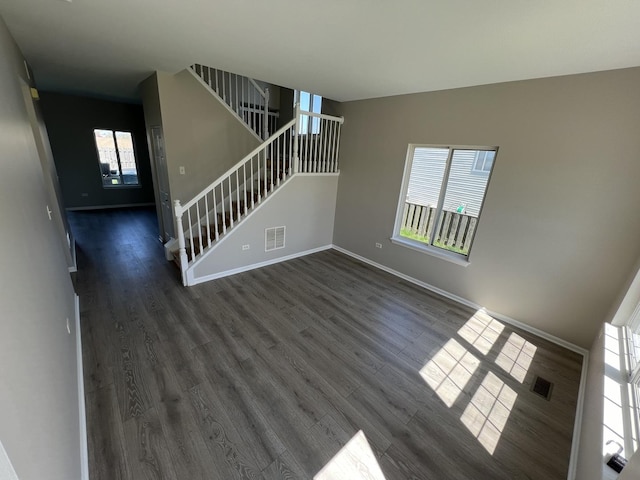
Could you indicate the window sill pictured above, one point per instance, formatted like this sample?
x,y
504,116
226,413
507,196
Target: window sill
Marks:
x,y
123,186
433,251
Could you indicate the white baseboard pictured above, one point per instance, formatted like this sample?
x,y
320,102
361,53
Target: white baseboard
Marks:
x,y
577,426
469,303
246,268
84,450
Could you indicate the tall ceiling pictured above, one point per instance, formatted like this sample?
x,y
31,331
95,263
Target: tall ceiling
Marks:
x,y
341,49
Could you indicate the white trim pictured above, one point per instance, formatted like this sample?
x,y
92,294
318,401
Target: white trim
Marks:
x,y
469,303
223,103
577,426
431,250
246,268
84,451
72,249
324,116
317,174
7,472
106,207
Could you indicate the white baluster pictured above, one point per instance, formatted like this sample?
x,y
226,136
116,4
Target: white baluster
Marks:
x,y
323,131
230,203
271,163
237,106
199,225
265,121
337,147
244,179
296,139
215,213
206,207
278,169
224,216
224,89
253,196
238,207
193,252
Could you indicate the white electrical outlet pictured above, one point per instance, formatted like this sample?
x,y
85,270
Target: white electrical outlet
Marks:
x,y
378,245
245,247
68,326
181,170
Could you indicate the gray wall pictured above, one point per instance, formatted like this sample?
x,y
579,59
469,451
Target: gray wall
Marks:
x,y
558,237
199,134
39,413
305,205
70,122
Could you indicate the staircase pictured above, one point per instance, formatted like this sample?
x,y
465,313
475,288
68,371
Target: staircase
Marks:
x,y
242,96
308,144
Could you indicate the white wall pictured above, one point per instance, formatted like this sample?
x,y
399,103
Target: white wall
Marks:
x,y
39,419
305,205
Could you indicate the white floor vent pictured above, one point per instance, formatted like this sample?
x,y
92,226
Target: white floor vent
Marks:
x,y
273,238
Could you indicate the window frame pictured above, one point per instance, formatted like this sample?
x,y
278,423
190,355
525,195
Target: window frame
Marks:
x,y
313,123
114,133
429,248
482,171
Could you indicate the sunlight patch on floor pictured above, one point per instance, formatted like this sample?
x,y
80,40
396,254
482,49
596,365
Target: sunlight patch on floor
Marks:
x,y
448,372
481,331
516,356
488,412
355,461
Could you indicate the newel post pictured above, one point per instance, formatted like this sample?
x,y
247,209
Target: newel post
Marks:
x,y
296,136
181,242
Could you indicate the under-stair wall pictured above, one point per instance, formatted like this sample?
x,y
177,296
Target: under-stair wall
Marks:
x,y
305,206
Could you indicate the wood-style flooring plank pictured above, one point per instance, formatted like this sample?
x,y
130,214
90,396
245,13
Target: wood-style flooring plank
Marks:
x,y
269,374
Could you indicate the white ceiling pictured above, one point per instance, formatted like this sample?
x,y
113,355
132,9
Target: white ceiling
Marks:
x,y
341,49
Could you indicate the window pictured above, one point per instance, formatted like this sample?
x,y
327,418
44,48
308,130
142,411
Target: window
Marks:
x,y
117,159
484,161
441,198
309,102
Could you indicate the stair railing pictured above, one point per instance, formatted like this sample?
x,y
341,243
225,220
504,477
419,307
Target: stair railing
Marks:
x,y
318,142
307,144
242,95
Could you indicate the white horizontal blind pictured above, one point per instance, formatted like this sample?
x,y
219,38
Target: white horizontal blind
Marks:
x,y
465,186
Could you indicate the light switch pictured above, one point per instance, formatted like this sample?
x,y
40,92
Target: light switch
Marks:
x,y
181,170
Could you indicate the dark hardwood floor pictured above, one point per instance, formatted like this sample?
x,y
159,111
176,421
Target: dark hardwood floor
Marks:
x,y
269,374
